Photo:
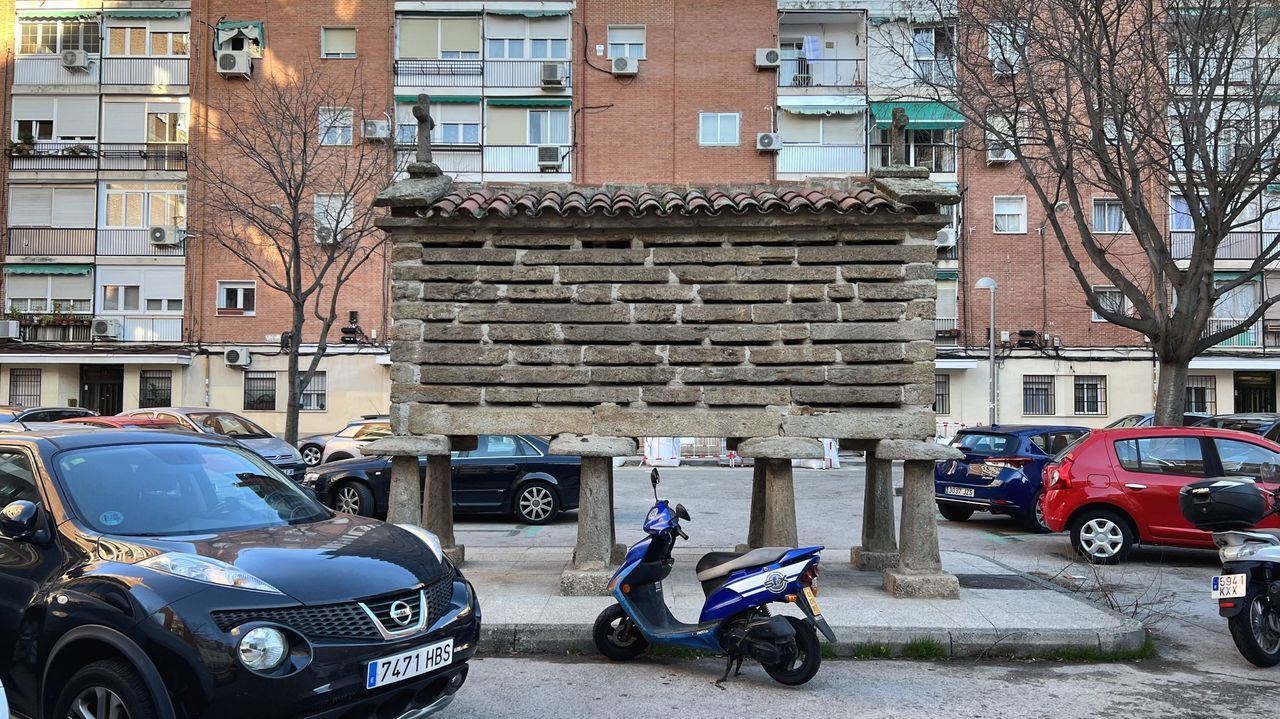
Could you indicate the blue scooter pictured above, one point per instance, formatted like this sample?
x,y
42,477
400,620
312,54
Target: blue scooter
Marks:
x,y
735,617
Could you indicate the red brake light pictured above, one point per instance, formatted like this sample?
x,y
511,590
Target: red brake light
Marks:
x,y
1009,462
1062,470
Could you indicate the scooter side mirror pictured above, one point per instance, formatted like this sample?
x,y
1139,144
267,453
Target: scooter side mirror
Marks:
x,y
654,479
682,513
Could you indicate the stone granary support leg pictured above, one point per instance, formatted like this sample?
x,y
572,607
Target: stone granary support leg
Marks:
x,y
879,549
592,564
432,509
919,571
773,497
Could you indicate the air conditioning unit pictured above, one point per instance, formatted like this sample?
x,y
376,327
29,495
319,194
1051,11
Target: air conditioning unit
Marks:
x,y
999,155
9,330
625,66
325,235
75,60
237,357
552,75
768,142
946,238
550,158
164,236
235,63
767,57
106,328
376,130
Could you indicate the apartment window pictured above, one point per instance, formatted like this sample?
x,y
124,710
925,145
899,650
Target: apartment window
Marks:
x,y
549,49
1037,394
170,43
120,298
167,127
127,41
47,38
24,387
934,150
33,130
333,217
1202,393
626,41
335,125
1091,395
454,133
133,205
315,394
718,128
548,127
44,304
935,54
164,305
1180,214
237,298
1006,45
942,393
1108,217
338,42
1009,214
155,388
506,48
1110,298
260,390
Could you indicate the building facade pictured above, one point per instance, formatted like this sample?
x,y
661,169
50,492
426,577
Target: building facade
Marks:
x,y
113,301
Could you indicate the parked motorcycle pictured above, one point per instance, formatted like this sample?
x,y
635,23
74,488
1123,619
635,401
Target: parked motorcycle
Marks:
x,y
735,617
1248,590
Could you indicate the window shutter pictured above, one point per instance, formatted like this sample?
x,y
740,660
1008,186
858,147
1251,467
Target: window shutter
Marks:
x,y
340,40
800,128
626,34
74,207
77,117
123,122
419,38
460,34
506,26
31,206
162,284
71,287
33,108
26,285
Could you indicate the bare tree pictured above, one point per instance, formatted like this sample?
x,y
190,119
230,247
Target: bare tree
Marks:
x,y
1167,106
289,194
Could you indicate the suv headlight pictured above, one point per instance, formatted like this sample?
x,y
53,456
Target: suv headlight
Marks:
x,y
429,539
207,570
263,648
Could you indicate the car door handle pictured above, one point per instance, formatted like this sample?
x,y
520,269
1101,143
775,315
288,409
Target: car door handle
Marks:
x,y
508,468
1135,486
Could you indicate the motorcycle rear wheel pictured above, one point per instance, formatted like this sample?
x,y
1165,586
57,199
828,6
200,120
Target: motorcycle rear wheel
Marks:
x,y
808,657
1256,630
617,636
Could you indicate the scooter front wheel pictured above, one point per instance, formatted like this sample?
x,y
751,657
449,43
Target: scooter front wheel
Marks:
x,y
805,662
617,636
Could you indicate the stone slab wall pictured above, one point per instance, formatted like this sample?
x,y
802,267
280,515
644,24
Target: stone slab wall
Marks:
x,y
812,324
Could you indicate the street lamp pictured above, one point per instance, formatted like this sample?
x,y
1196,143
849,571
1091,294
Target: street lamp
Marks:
x,y
988,283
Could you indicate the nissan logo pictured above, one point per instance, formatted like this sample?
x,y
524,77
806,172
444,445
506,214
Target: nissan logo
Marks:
x,y
401,613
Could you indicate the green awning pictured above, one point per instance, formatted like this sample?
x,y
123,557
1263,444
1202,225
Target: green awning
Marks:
x,y
47,269
443,99
920,115
1273,187
526,13
154,14
530,102
57,15
948,274
248,29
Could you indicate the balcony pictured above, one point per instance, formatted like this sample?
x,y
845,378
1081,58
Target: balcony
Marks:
x,y
822,160
1261,71
51,241
149,328
454,160
93,156
150,71
1250,337
479,73
48,70
1236,245
55,327
946,331
799,72
476,160
134,243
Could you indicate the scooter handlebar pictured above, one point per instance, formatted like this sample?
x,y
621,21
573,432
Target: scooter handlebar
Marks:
x,y
683,536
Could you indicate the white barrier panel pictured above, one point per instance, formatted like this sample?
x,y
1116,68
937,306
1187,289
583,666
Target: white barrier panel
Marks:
x,y
662,451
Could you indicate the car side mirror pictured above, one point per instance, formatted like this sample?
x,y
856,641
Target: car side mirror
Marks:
x,y
20,521
1270,473
653,478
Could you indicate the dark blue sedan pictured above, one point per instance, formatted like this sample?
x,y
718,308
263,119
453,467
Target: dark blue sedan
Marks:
x,y
1000,472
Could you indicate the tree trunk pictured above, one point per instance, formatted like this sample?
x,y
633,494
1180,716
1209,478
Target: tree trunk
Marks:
x,y
1171,391
295,394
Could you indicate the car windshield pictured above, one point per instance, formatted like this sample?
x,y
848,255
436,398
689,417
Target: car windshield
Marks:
x,y
169,489
986,442
228,425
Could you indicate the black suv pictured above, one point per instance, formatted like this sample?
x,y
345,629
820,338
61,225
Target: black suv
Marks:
x,y
150,575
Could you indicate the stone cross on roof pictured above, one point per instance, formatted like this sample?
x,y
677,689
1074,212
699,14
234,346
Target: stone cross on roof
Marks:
x,y
422,111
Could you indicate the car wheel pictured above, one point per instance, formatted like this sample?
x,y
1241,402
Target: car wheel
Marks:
x,y
1102,536
353,498
311,454
109,689
536,503
954,512
1034,520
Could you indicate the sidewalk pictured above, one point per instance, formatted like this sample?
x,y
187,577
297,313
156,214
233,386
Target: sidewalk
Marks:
x,y
1001,612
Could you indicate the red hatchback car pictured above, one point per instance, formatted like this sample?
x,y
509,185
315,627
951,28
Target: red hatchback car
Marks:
x,y
1115,488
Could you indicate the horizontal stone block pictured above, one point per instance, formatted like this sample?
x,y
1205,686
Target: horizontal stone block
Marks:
x,y
769,273
539,293
632,375
518,333
898,290
748,396
448,353
414,310
613,273
438,291
534,240
699,274
752,375
546,313
906,450
406,330
894,254
807,293
656,334
872,331
716,313
434,273
806,312
722,255
435,394
406,290
437,332
409,446
842,291
545,421
621,355
511,395
920,271
585,257
706,355
921,351
589,395
519,273
873,352
918,394
849,396
904,373
593,446
871,311
650,422
593,294
407,252
550,375
921,309
653,313
470,256
793,354
656,293
405,373
743,293
854,423
747,334
781,448
547,354
671,395
871,272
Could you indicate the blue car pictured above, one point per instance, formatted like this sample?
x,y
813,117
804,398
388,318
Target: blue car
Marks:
x,y
1000,472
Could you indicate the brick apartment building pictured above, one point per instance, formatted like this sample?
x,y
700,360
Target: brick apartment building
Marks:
x,y
116,303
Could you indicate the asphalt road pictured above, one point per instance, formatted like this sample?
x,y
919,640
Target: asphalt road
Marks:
x,y
1198,672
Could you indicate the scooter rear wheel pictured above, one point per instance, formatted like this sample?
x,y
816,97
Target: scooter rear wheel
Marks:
x,y
1256,630
808,657
617,636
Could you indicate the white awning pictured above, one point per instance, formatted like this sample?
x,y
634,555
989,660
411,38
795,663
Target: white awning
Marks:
x,y
94,358
1260,363
943,363
823,104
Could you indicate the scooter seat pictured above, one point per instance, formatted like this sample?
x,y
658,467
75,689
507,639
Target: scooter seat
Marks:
x,y
721,564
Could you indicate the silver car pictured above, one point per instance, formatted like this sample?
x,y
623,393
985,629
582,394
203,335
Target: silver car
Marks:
x,y
347,443
229,424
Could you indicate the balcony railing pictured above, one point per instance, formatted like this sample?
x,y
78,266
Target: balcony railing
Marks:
x,y
1249,337
934,158
799,72
54,241
946,330
1235,246
521,159
134,243
93,156
145,328
936,72
822,159
153,71
1263,71
949,253
479,73
55,327
48,70
452,159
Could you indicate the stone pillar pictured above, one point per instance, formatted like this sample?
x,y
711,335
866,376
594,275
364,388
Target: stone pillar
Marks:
x,y
593,557
773,497
432,508
437,505
879,548
919,571
404,506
